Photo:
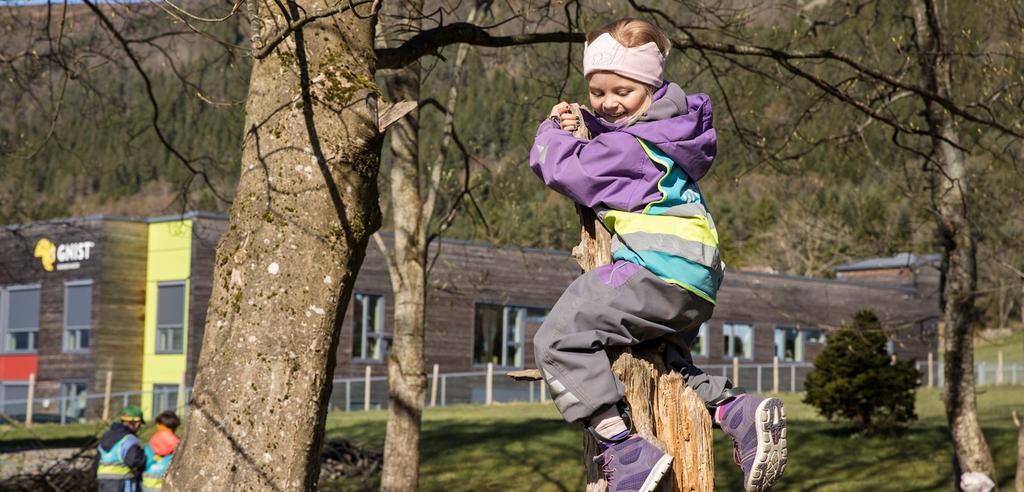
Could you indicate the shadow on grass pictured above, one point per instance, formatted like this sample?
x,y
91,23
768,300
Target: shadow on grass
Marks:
x,y
492,454
825,456
530,454
31,443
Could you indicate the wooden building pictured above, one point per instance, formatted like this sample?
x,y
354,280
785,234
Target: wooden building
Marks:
x,y
80,297
485,304
72,295
85,296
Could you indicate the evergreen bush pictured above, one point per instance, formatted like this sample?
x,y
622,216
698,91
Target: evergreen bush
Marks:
x,y
855,378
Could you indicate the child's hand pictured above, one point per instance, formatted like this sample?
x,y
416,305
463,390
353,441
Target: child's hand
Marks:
x,y
562,115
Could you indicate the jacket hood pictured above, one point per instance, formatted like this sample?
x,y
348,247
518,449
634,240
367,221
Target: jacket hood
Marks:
x,y
668,101
680,125
116,432
164,442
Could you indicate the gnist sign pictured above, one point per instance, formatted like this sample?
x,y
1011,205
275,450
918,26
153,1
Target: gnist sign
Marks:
x,y
66,256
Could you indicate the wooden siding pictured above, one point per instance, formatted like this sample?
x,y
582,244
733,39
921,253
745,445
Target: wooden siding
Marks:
x,y
116,267
768,301
119,337
20,266
467,273
463,275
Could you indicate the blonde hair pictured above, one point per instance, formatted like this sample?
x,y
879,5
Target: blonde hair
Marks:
x,y
631,32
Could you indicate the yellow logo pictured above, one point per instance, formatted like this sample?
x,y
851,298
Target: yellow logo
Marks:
x,y
47,253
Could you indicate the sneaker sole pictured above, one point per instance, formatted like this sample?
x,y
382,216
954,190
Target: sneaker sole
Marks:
x,y
657,473
770,460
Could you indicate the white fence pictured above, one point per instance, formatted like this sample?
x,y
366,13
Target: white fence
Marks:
x,y
461,388
985,374
90,407
477,388
481,387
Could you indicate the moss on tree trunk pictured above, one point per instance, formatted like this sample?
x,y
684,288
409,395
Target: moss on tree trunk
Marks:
x,y
305,206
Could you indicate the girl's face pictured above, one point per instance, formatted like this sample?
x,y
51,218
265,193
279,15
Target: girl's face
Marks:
x,y
614,97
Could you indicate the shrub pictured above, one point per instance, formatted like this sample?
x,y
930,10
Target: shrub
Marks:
x,y
854,378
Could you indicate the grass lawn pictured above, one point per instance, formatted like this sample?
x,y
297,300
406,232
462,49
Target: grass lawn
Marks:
x,y
528,447
16,438
1011,346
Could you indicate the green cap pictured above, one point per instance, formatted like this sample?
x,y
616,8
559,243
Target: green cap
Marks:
x,y
132,413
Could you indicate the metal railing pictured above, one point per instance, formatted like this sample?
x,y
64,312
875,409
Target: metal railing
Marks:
x,y
89,407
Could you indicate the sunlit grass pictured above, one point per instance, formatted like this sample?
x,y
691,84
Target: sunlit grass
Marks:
x,y
528,447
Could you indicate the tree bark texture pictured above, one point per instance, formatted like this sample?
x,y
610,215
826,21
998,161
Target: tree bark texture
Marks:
x,y
959,269
663,407
407,381
304,210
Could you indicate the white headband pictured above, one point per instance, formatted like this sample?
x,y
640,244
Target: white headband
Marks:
x,y
643,63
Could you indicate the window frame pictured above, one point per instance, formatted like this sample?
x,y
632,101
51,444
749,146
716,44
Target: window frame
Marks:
x,y
5,311
703,335
64,399
359,328
822,336
165,390
78,349
799,351
729,349
13,410
184,318
518,341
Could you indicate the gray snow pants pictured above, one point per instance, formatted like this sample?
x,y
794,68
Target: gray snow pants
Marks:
x,y
617,305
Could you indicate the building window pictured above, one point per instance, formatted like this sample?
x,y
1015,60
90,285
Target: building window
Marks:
x,y
814,336
21,319
738,340
368,340
789,344
72,401
77,315
170,318
15,398
699,347
498,333
165,397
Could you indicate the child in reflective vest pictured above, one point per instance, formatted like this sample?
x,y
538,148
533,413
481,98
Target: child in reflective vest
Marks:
x,y
160,450
121,459
646,145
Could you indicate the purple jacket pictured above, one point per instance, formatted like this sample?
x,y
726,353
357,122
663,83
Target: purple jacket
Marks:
x,y
611,168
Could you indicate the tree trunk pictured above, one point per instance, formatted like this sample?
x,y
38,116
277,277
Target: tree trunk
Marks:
x,y
1019,481
662,406
413,194
1004,304
305,207
407,381
959,272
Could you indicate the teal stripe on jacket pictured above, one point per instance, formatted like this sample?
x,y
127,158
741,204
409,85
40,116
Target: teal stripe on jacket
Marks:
x,y
696,267
695,278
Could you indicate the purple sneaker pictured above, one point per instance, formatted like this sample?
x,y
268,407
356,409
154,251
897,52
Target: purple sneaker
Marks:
x,y
633,464
758,427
